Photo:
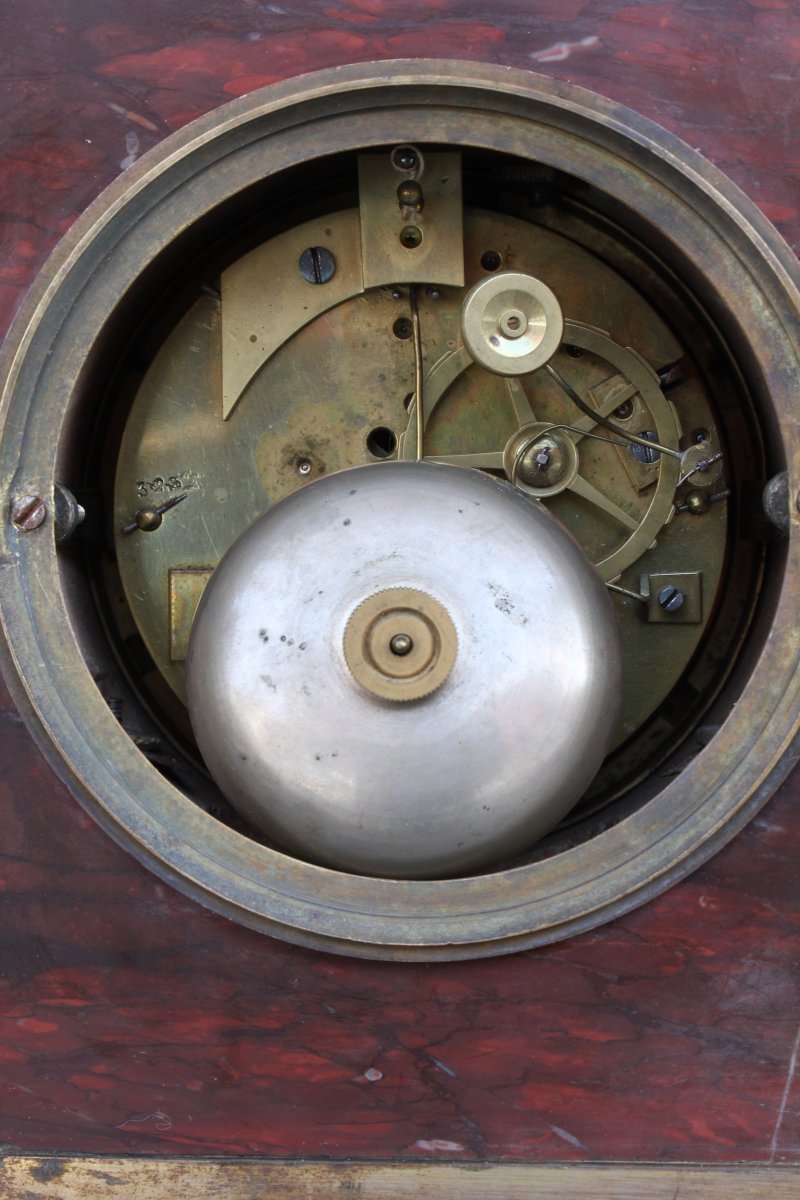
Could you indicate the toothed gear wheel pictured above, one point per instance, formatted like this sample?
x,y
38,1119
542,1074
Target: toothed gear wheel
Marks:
x,y
400,644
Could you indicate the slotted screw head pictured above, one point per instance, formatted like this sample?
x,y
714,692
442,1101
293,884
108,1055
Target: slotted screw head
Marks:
x,y
317,265
28,512
671,598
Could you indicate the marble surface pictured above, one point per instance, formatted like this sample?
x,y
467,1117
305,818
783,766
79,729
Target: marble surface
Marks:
x,y
132,1020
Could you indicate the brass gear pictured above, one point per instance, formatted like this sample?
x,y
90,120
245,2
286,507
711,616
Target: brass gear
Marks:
x,y
400,644
640,534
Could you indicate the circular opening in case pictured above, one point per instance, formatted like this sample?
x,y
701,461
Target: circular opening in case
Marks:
x,y
218,338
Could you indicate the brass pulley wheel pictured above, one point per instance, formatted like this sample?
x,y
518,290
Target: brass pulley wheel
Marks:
x,y
511,323
579,340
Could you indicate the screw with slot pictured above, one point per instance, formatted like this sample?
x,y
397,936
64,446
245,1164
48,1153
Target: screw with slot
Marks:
x,y
317,265
671,599
28,512
646,454
411,237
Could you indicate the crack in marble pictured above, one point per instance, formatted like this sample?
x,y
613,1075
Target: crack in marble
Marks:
x,y
790,1074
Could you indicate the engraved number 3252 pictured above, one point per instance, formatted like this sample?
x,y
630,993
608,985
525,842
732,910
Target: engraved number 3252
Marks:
x,y
172,483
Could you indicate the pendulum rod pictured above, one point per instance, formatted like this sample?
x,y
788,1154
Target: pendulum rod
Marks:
x,y
417,335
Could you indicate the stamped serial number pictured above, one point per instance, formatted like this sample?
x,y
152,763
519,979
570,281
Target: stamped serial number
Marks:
x,y
168,484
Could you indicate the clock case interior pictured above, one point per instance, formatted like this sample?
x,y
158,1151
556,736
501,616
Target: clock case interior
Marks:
x,y
674,674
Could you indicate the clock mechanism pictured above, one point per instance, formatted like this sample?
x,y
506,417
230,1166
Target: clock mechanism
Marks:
x,y
420,512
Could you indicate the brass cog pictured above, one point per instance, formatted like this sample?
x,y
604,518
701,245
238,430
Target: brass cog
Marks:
x,y
638,535
400,644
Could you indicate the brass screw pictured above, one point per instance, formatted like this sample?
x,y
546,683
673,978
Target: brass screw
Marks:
x,y
401,644
409,195
28,512
148,519
698,502
410,236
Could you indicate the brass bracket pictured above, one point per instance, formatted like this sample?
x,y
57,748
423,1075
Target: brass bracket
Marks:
x,y
388,254
688,583
186,587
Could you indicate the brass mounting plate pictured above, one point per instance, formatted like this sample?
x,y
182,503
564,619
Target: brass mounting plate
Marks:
x,y
439,256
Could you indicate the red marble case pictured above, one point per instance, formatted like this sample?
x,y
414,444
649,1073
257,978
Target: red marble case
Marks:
x,y
134,1021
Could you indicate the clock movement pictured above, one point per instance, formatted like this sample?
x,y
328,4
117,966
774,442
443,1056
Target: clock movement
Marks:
x,y
401,543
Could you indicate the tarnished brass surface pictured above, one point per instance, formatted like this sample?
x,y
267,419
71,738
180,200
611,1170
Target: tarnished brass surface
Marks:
x,y
616,508
685,226
637,384
265,299
388,257
186,587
